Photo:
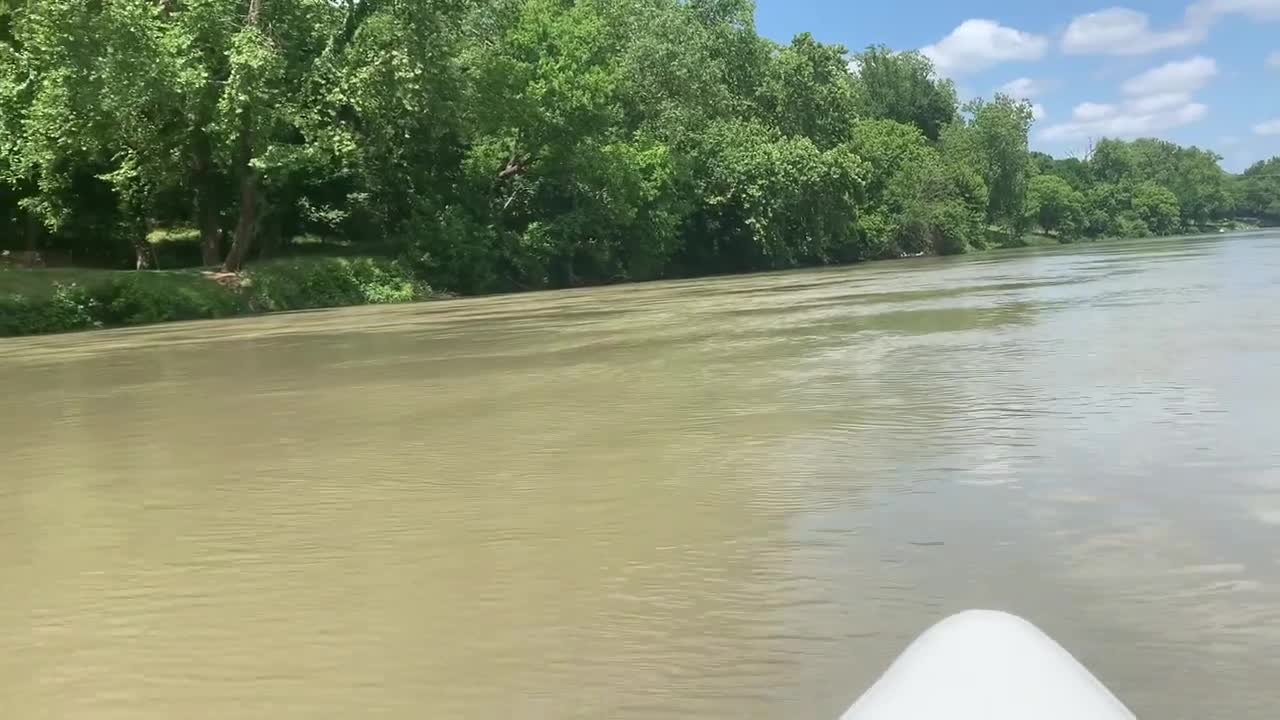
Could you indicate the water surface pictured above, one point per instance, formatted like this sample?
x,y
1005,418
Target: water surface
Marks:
x,y
722,498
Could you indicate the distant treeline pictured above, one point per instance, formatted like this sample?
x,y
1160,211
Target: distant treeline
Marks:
x,y
492,145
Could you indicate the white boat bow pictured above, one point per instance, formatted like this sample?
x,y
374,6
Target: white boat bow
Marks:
x,y
987,665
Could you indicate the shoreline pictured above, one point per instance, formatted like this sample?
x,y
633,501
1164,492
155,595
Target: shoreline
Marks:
x,y
40,301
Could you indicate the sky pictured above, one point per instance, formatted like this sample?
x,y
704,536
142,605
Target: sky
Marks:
x,y
1197,72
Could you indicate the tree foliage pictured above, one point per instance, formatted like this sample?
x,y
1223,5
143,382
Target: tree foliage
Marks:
x,y
903,87
505,144
1055,206
1150,187
1258,191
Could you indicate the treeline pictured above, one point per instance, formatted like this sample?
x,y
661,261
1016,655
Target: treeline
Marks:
x,y
509,144
1146,187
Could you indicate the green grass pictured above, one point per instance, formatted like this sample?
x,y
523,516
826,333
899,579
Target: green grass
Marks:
x,y
174,234
41,283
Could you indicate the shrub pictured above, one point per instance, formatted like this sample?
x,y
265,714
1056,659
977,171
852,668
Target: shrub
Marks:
x,y
69,307
37,302
140,298
330,282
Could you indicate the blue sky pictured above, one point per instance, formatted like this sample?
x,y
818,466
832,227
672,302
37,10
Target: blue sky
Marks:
x,y
1202,72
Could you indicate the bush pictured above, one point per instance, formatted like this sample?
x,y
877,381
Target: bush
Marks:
x,y
140,298
330,282
1129,226
458,252
69,307
38,301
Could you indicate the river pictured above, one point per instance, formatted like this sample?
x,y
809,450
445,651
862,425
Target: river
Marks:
x,y
720,498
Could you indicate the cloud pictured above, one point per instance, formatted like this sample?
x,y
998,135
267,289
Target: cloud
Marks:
x,y
1159,102
1131,119
1023,88
1273,60
1185,76
1090,112
1208,11
1270,127
1158,99
1038,112
979,44
1121,31
1124,31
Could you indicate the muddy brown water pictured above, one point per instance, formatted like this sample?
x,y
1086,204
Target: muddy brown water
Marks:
x,y
723,498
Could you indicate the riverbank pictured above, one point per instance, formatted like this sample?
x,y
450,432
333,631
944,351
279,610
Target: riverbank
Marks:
x,y
54,300
40,301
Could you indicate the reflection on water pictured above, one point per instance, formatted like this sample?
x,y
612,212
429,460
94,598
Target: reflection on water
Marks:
x,y
720,498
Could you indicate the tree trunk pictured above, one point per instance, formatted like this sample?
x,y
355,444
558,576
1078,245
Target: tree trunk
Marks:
x,y
248,176
141,252
207,205
206,201
210,234
248,198
32,231
248,216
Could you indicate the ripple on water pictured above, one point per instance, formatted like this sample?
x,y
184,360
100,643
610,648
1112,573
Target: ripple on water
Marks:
x,y
731,497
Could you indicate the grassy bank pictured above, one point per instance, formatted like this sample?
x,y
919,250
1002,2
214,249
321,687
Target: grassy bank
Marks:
x,y
61,300
38,301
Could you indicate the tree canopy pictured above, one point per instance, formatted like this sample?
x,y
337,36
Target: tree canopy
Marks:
x,y
508,144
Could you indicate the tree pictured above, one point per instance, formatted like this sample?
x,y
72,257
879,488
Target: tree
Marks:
x,y
1111,161
1073,170
993,141
1258,189
1055,206
769,201
1194,176
915,200
903,87
155,99
1157,207
507,144
808,92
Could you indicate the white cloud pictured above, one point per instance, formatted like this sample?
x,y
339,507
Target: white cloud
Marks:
x,y
1091,112
1124,31
1090,120
1023,88
1038,112
1158,99
1270,127
1183,76
1273,60
1121,31
979,44
1159,102
1207,11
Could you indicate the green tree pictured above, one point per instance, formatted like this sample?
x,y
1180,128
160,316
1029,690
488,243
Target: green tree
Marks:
x,y
915,200
1055,206
1194,176
808,92
1112,161
506,144
770,202
1073,170
993,141
1157,207
1258,189
156,99
903,87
